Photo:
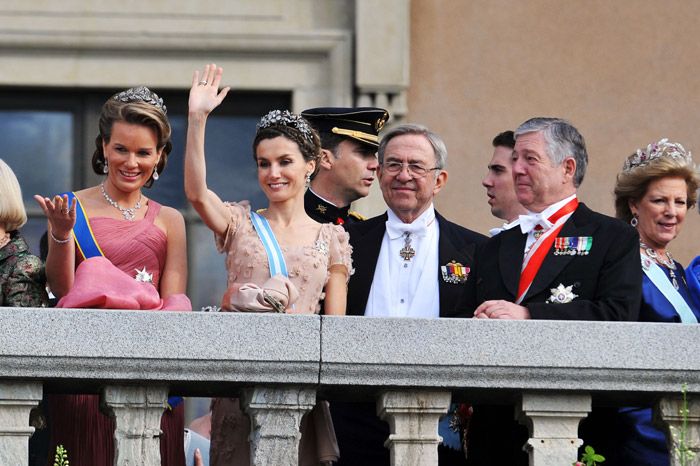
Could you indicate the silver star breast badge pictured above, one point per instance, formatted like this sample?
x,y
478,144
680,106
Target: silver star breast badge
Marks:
x,y
143,276
562,294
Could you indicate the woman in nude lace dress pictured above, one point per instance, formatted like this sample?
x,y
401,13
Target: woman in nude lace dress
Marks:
x,y
315,257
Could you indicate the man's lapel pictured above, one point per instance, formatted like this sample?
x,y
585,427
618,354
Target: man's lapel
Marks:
x,y
448,251
366,247
577,225
510,257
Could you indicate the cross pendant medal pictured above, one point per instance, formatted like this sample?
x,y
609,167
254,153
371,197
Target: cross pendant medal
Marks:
x,y
407,252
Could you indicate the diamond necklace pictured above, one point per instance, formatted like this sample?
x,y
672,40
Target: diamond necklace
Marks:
x,y
668,262
128,213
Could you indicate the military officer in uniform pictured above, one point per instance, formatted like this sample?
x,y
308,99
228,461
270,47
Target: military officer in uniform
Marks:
x,y
348,164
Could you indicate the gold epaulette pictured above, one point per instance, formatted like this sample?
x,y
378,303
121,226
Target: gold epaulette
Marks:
x,y
356,215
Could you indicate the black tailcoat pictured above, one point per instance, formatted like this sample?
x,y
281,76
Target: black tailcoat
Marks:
x,y
455,243
608,280
608,283
360,433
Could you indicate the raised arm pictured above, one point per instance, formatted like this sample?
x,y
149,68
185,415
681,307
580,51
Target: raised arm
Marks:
x,y
60,262
204,97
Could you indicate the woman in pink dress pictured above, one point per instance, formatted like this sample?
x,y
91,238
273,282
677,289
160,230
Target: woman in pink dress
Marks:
x,y
316,256
112,247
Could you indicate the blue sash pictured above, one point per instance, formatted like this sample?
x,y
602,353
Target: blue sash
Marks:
x,y
274,253
660,280
84,238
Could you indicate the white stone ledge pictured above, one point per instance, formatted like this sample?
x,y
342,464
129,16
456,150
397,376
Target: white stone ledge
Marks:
x,y
133,346
199,350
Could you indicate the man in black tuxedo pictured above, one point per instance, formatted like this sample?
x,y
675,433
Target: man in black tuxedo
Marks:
x,y
409,262
577,264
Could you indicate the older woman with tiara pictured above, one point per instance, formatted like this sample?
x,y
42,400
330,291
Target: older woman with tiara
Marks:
x,y
112,247
279,260
653,193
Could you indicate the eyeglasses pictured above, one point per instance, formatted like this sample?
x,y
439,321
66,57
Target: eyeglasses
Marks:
x,y
414,169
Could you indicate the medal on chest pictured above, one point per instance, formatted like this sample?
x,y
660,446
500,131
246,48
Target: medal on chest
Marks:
x,y
407,252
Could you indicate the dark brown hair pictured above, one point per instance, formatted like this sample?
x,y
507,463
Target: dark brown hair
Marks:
x,y
310,149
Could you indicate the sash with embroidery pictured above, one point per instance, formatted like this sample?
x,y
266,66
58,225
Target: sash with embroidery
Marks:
x,y
661,282
535,256
82,232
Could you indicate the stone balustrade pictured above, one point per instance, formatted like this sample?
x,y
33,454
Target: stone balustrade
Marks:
x,y
553,372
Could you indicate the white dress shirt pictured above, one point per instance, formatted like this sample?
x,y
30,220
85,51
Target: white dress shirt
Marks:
x,y
407,288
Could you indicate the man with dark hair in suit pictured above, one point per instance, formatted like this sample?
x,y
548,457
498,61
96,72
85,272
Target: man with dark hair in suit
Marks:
x,y
346,169
576,264
499,183
409,262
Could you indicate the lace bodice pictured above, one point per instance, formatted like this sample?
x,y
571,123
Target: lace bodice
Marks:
x,y
308,266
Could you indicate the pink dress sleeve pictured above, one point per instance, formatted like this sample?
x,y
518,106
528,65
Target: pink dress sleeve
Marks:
x,y
340,249
237,214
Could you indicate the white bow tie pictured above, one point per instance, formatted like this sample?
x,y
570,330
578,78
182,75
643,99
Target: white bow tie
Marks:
x,y
528,222
396,230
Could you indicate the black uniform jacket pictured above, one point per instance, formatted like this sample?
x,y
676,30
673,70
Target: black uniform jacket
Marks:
x,y
325,212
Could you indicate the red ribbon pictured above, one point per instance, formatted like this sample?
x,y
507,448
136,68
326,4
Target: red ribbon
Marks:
x,y
533,266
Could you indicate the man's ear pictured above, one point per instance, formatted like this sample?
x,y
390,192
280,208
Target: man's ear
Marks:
x,y
569,164
440,181
326,160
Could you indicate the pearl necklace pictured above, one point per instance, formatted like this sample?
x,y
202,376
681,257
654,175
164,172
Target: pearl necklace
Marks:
x,y
668,262
128,213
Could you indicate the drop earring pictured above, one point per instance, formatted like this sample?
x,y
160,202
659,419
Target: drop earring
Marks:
x,y
308,179
634,221
105,167
155,174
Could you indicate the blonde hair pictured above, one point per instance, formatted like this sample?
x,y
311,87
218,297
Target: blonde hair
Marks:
x,y
12,213
632,184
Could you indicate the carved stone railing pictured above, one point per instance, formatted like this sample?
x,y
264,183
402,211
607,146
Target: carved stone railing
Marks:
x,y
278,364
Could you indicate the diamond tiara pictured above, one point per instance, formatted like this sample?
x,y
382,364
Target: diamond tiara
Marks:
x,y
656,150
287,118
141,94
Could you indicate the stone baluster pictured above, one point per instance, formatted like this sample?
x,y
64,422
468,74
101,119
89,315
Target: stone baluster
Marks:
x,y
553,419
413,421
16,401
275,415
137,412
670,409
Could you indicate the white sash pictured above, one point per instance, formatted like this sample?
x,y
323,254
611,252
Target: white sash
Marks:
x,y
661,281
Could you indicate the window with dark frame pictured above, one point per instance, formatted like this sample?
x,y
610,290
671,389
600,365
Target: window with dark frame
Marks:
x,y
49,137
